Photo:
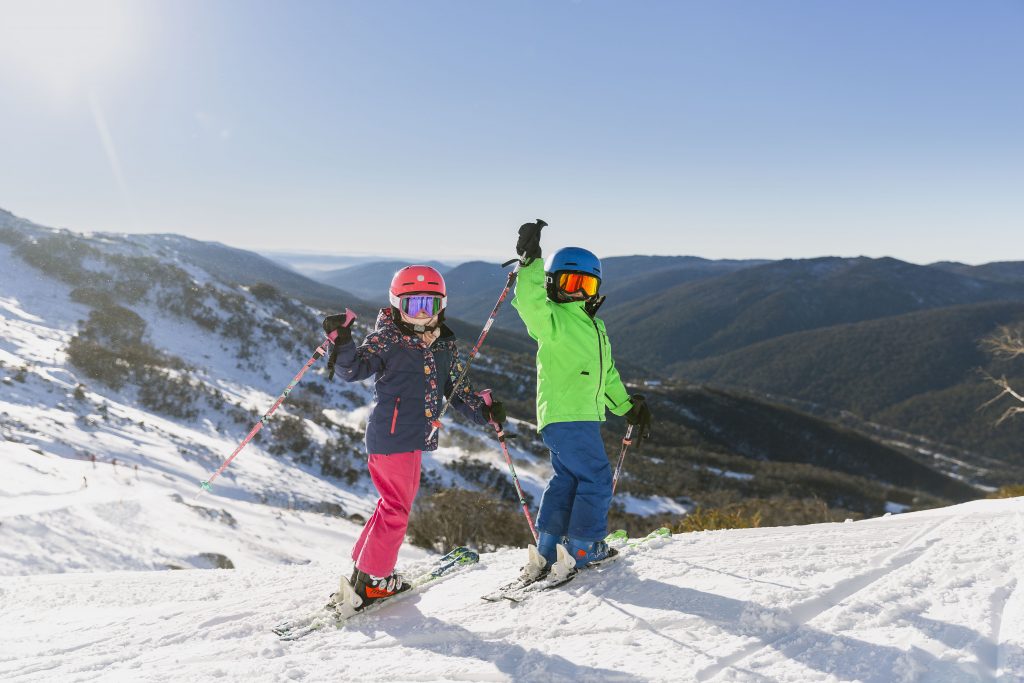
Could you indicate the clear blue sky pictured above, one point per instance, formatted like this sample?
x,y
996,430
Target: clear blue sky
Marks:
x,y
724,129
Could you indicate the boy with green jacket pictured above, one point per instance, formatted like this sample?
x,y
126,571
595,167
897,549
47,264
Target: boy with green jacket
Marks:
x,y
576,382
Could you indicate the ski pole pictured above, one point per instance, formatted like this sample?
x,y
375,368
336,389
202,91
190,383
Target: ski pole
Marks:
x,y
627,441
317,355
486,396
436,424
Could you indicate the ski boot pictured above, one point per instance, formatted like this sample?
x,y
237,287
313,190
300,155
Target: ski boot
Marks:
x,y
540,558
546,546
587,552
371,589
362,590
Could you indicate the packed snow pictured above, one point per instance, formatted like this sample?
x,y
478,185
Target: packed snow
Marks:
x,y
925,596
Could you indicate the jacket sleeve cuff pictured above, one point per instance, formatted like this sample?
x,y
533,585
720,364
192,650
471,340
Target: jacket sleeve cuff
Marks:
x,y
620,408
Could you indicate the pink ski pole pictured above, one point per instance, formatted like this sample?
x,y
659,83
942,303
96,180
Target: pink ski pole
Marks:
x,y
317,355
486,396
436,424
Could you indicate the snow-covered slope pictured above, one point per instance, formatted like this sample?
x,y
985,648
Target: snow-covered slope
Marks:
x,y
135,507
59,515
131,508
220,354
929,596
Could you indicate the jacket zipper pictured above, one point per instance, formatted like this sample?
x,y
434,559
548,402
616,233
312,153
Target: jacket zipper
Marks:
x,y
600,367
394,416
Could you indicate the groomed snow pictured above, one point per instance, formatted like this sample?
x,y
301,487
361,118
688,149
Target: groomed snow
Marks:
x,y
927,596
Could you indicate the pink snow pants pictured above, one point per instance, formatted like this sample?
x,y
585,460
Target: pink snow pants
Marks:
x,y
397,478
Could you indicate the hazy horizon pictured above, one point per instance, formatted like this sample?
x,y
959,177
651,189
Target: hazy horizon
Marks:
x,y
369,256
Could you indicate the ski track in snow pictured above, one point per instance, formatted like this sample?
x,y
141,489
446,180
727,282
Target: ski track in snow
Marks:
x,y
1008,624
802,613
927,596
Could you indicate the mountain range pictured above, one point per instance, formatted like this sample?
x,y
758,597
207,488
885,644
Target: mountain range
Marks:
x,y
893,343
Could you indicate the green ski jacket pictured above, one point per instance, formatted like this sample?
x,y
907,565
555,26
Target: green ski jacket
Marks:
x,y
576,376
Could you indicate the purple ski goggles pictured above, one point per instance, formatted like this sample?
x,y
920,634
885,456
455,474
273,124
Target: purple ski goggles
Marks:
x,y
416,304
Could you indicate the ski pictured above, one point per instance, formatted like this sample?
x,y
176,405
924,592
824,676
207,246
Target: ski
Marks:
x,y
662,533
445,567
619,546
615,539
555,582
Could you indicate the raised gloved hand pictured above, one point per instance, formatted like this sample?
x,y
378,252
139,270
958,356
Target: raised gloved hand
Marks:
x,y
528,245
640,415
341,323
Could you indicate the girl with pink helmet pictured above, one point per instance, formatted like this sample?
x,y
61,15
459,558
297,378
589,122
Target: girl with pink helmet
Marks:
x,y
414,360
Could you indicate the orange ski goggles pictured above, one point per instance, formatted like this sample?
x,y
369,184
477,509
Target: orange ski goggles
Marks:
x,y
570,283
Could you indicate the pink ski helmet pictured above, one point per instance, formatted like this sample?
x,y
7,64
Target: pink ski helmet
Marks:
x,y
417,280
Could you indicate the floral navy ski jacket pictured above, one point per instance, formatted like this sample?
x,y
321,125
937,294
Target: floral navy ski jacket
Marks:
x,y
408,381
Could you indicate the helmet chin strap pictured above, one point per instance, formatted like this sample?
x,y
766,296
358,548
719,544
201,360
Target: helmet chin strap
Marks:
x,y
590,303
416,327
420,329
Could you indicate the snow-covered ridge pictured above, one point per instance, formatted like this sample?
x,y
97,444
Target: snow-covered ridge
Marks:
x,y
220,377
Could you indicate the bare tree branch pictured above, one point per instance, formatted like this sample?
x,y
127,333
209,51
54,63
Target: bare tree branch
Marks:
x,y
1007,390
1007,343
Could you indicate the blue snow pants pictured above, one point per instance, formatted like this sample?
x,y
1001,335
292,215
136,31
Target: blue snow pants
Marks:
x,y
576,500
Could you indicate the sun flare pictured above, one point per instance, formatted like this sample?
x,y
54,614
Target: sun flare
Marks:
x,y
63,44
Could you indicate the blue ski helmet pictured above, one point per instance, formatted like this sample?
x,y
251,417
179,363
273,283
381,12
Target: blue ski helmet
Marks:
x,y
575,259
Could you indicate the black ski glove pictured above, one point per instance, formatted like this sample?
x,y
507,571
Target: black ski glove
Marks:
x,y
337,323
640,415
528,245
495,412
334,323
